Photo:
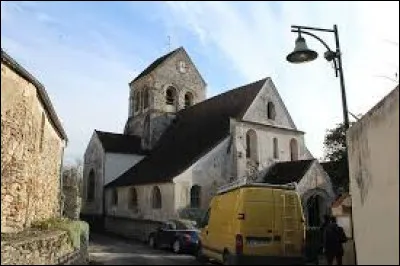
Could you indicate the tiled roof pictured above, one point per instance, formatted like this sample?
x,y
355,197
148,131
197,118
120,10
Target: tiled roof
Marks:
x,y
194,132
287,172
120,143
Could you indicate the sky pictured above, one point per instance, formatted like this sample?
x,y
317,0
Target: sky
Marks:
x,y
86,53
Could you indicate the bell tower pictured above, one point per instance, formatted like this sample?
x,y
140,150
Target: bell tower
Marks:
x,y
171,83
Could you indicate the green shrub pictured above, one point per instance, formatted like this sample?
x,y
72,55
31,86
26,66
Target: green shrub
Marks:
x,y
75,229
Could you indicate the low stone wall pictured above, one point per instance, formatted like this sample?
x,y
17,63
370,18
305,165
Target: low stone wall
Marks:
x,y
44,248
132,228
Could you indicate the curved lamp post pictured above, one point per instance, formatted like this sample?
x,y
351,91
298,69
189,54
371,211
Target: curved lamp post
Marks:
x,y
303,54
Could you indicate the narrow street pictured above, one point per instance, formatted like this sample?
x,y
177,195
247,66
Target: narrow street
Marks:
x,y
110,250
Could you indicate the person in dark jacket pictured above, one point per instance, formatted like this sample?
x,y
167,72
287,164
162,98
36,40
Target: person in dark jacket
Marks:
x,y
334,237
327,220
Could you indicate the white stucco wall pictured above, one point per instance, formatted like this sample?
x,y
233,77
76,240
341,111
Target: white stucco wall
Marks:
x,y
116,164
265,136
374,180
257,112
209,172
144,209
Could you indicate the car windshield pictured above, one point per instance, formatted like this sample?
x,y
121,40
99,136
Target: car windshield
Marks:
x,y
185,225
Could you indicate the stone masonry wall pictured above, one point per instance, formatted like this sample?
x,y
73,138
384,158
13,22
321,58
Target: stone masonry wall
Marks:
x,y
47,248
30,157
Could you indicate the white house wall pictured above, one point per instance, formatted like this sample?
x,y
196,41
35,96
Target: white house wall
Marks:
x,y
374,181
144,209
93,160
116,164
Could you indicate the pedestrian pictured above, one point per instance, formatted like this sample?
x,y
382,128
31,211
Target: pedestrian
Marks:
x,y
334,237
325,222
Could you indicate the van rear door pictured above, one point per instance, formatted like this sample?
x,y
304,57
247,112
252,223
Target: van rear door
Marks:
x,y
288,218
257,222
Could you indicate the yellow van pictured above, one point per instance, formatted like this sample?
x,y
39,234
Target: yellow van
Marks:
x,y
253,224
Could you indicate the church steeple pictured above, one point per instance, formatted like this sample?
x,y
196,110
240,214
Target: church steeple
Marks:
x,y
169,84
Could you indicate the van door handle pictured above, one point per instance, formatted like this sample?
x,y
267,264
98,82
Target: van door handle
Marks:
x,y
207,232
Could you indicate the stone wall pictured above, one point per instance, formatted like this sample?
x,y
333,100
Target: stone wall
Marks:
x,y
144,209
94,160
132,228
31,152
45,249
151,122
71,195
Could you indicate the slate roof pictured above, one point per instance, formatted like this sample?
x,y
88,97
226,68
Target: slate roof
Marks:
x,y
120,143
155,64
43,96
287,172
194,132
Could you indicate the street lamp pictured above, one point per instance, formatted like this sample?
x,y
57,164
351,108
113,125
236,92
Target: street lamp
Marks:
x,y
303,54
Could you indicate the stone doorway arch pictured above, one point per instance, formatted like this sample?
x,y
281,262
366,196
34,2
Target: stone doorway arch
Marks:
x,y
316,204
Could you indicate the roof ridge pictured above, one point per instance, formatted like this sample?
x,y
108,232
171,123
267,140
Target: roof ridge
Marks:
x,y
155,63
219,96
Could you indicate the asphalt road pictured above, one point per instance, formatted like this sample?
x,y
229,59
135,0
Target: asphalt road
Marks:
x,y
112,250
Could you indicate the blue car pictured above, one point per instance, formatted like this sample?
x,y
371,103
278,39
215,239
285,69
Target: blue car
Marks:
x,y
182,236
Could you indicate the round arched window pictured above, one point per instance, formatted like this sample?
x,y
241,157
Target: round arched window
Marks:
x,y
271,111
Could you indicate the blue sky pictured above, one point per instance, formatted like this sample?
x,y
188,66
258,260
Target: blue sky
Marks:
x,y
86,53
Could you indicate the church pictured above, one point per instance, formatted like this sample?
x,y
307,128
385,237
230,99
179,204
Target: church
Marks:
x,y
178,148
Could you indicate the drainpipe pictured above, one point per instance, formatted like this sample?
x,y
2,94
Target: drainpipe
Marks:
x,y
61,180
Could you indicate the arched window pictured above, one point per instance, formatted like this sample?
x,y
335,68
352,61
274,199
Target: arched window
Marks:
x,y
156,198
271,111
133,200
294,150
91,186
195,196
114,197
146,98
170,97
276,151
188,99
137,101
131,105
251,144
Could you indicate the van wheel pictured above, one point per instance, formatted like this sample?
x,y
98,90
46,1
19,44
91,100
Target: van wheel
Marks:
x,y
226,259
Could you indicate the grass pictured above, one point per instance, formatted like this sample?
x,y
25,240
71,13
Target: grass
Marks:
x,y
75,229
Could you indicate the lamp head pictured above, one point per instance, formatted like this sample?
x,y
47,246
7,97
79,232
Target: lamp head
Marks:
x,y
301,53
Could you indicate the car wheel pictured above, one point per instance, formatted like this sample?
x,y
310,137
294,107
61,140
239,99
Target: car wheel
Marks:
x,y
152,242
200,256
176,246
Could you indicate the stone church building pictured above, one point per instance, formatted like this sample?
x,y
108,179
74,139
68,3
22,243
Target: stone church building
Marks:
x,y
178,147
